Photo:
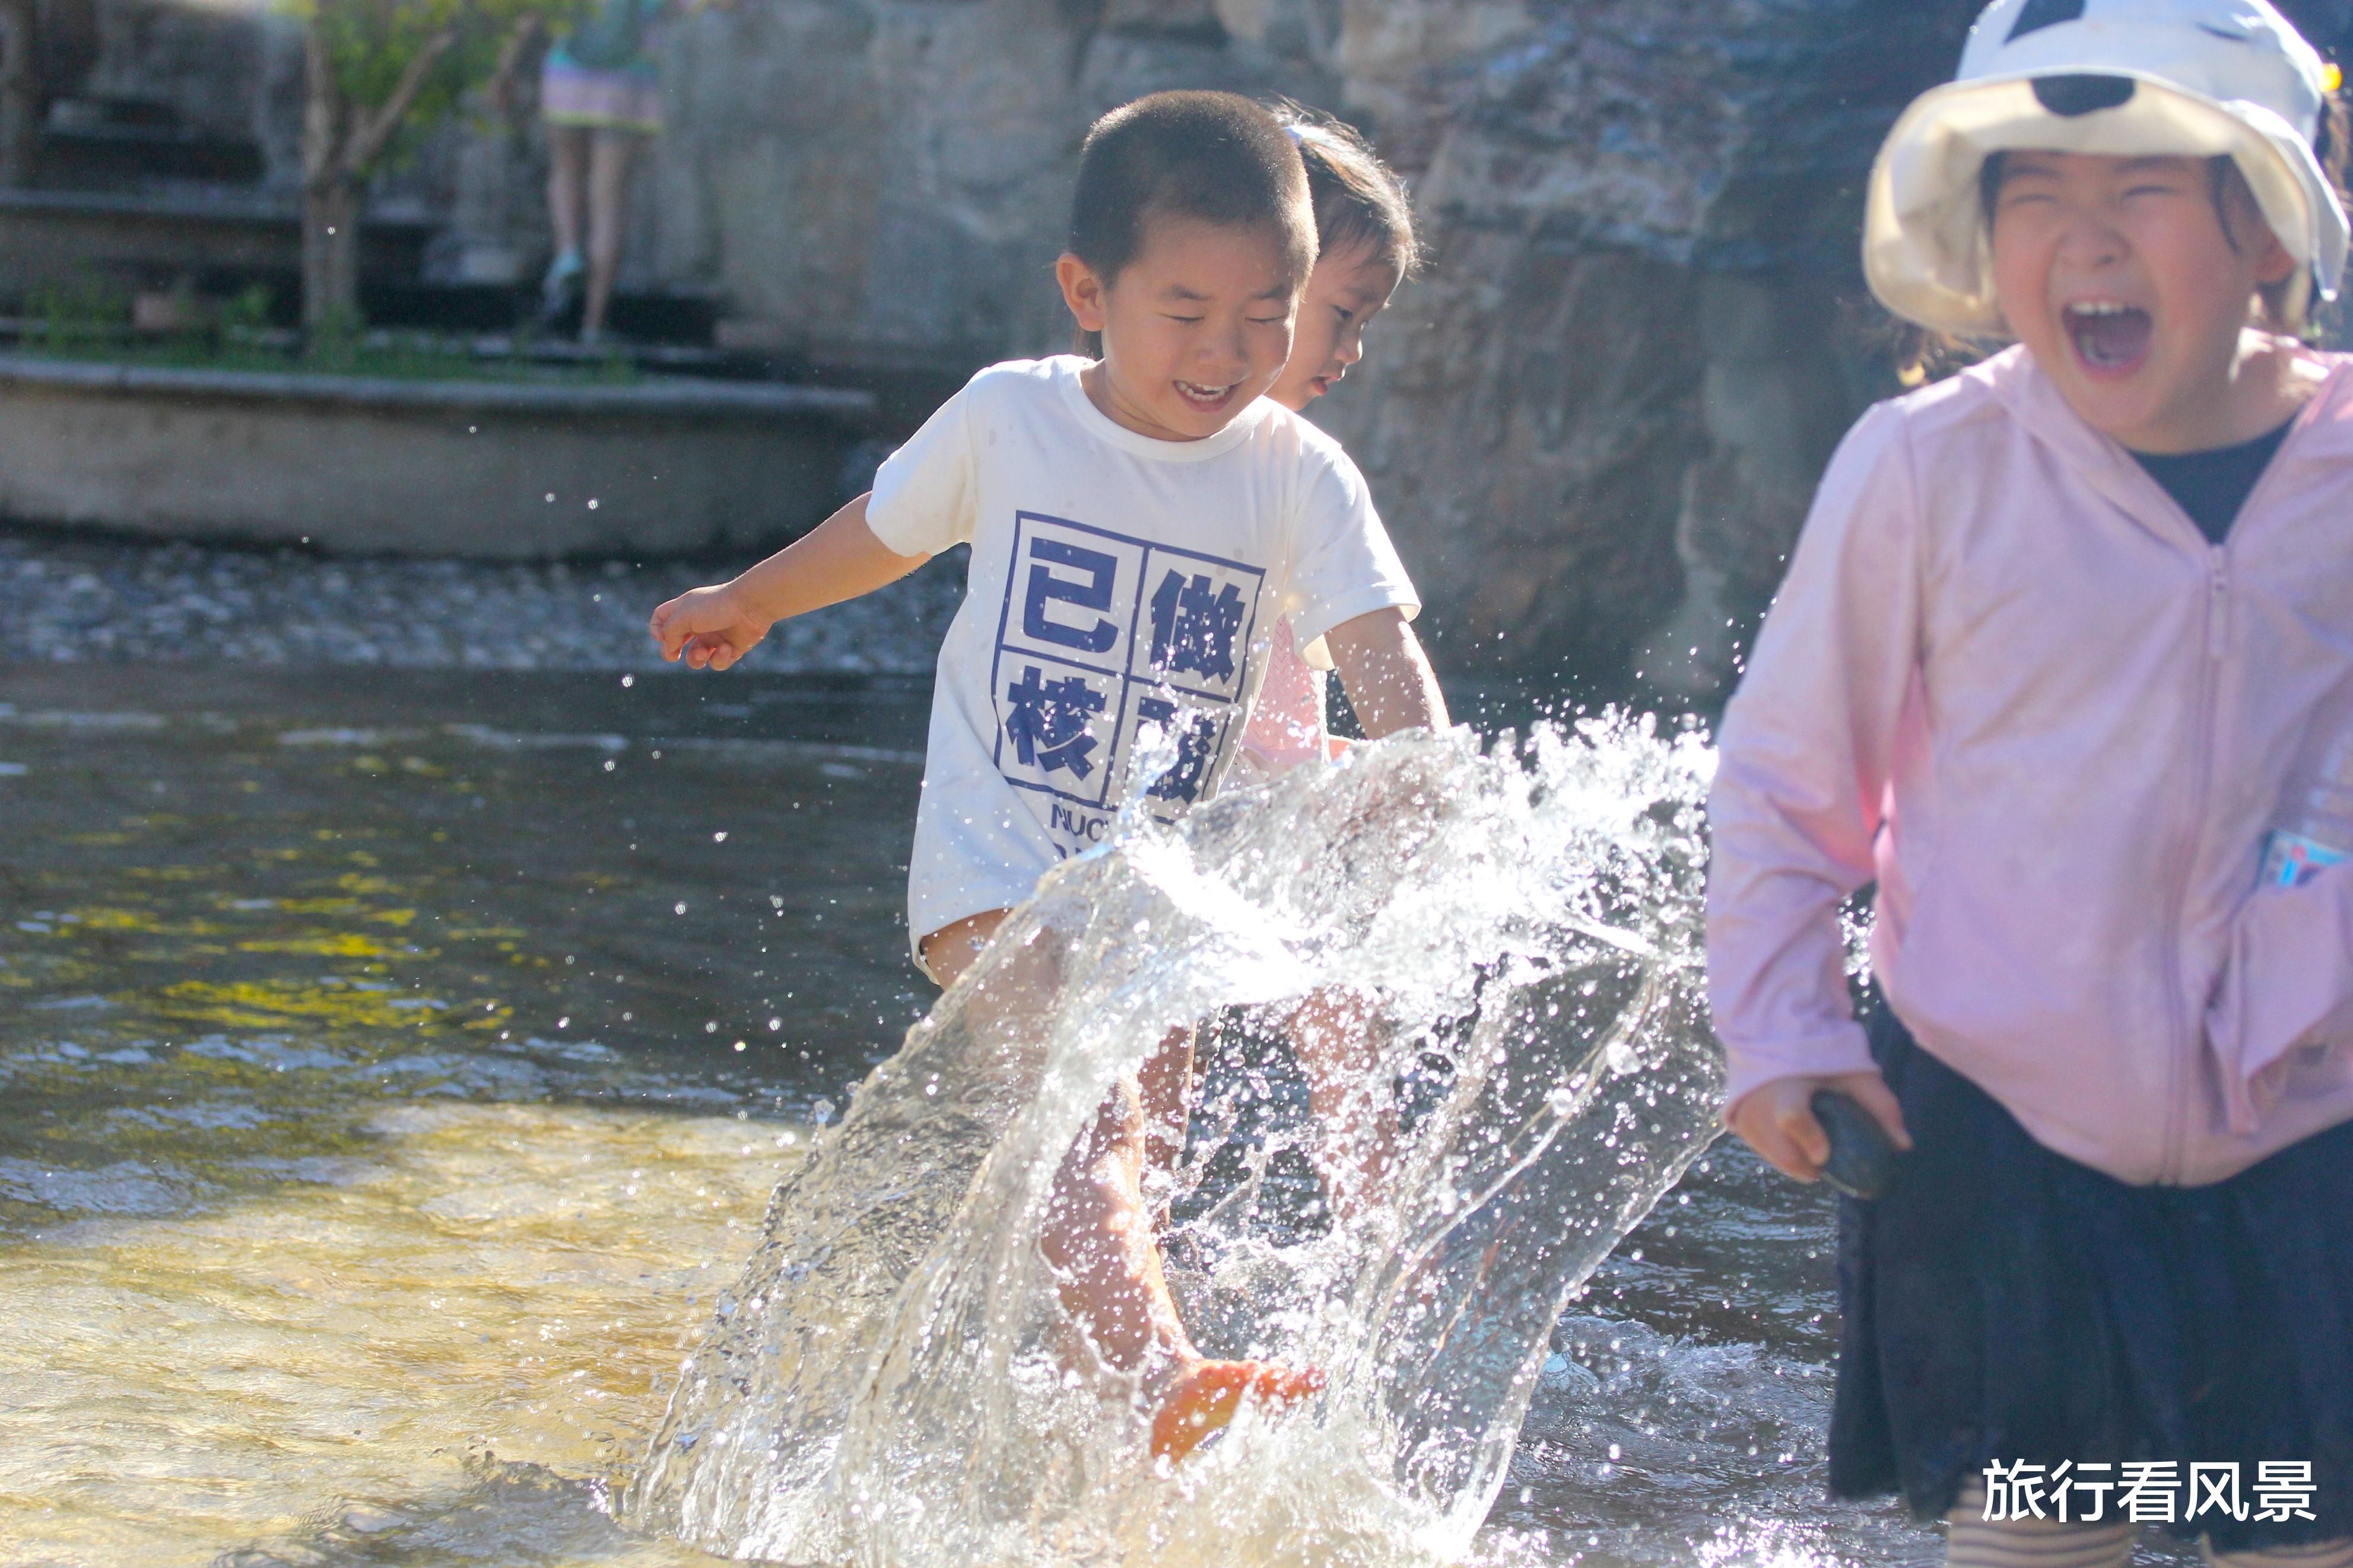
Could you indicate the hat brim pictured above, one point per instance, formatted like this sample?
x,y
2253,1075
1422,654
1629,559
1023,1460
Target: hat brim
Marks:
x,y
1926,250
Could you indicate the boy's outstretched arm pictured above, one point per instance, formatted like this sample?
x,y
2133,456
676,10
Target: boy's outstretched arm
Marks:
x,y
1386,676
839,559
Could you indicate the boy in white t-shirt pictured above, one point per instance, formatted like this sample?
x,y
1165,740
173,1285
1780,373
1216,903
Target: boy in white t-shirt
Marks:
x,y
1139,523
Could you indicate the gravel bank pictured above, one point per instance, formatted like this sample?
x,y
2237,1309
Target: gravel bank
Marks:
x,y
68,599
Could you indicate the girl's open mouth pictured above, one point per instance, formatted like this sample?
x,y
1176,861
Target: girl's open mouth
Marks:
x,y
1205,399
2110,340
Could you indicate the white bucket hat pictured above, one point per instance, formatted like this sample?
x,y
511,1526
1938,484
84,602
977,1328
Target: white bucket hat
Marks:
x,y
2200,78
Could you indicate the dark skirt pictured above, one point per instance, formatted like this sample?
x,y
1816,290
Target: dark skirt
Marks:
x,y
2004,1303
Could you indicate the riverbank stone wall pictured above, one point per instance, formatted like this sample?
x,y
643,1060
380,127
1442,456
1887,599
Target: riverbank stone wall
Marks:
x,y
1594,425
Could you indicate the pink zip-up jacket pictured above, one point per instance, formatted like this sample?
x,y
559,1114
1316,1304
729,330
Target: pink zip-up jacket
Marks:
x,y
2009,678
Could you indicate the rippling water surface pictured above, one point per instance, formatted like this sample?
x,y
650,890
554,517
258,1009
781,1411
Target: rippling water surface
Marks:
x,y
393,1071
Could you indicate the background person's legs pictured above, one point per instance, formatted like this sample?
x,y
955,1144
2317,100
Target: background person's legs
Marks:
x,y
613,156
568,151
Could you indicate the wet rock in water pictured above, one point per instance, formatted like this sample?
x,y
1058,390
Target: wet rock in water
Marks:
x,y
73,599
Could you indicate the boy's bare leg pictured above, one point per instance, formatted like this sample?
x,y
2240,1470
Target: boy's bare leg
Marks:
x,y
1164,1088
949,950
1100,1238
1355,1123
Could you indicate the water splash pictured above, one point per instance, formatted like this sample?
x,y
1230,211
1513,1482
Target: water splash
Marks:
x,y
894,1381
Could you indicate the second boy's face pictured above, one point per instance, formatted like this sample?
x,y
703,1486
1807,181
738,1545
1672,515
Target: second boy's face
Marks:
x,y
1345,292
1195,329
2119,278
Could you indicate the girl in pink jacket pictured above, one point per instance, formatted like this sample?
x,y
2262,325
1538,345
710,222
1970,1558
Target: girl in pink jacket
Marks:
x,y
2057,636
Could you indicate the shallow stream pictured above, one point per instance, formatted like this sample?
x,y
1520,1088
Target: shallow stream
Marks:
x,y
393,1067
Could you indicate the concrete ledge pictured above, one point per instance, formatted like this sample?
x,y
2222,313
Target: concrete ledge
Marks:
x,y
677,395
373,466
66,237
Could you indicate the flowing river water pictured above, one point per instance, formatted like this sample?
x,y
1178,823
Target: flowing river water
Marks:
x,y
394,1070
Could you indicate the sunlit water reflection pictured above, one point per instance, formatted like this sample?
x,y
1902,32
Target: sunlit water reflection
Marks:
x,y
440,1337
372,1128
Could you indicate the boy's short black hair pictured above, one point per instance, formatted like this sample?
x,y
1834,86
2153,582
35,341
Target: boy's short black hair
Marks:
x,y
1213,156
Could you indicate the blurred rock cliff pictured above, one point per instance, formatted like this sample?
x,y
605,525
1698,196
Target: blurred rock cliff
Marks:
x,y
1593,425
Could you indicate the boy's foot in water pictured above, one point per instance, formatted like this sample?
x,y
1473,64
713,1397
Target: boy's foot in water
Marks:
x,y
1204,1397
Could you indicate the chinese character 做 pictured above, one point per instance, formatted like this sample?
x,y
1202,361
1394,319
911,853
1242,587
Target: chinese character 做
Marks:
x,y
1193,627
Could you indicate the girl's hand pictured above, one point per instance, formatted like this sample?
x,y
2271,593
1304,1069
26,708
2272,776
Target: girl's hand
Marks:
x,y
710,627
1777,1119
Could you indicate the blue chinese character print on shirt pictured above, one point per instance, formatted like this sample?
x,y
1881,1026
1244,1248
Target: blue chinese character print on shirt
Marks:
x,y
1100,575
1198,735
1102,633
1048,721
1193,626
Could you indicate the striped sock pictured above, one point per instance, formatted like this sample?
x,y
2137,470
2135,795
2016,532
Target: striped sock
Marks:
x,y
1972,1540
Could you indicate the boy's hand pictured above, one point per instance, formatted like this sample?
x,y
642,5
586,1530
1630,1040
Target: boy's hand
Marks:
x,y
709,627
712,629
1777,1119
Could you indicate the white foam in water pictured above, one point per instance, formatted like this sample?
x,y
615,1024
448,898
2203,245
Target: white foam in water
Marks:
x,y
894,1381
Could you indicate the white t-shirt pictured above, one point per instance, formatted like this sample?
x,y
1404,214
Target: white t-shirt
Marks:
x,y
1116,581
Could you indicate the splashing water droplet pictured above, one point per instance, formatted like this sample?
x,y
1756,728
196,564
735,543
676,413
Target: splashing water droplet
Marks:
x,y
1515,933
